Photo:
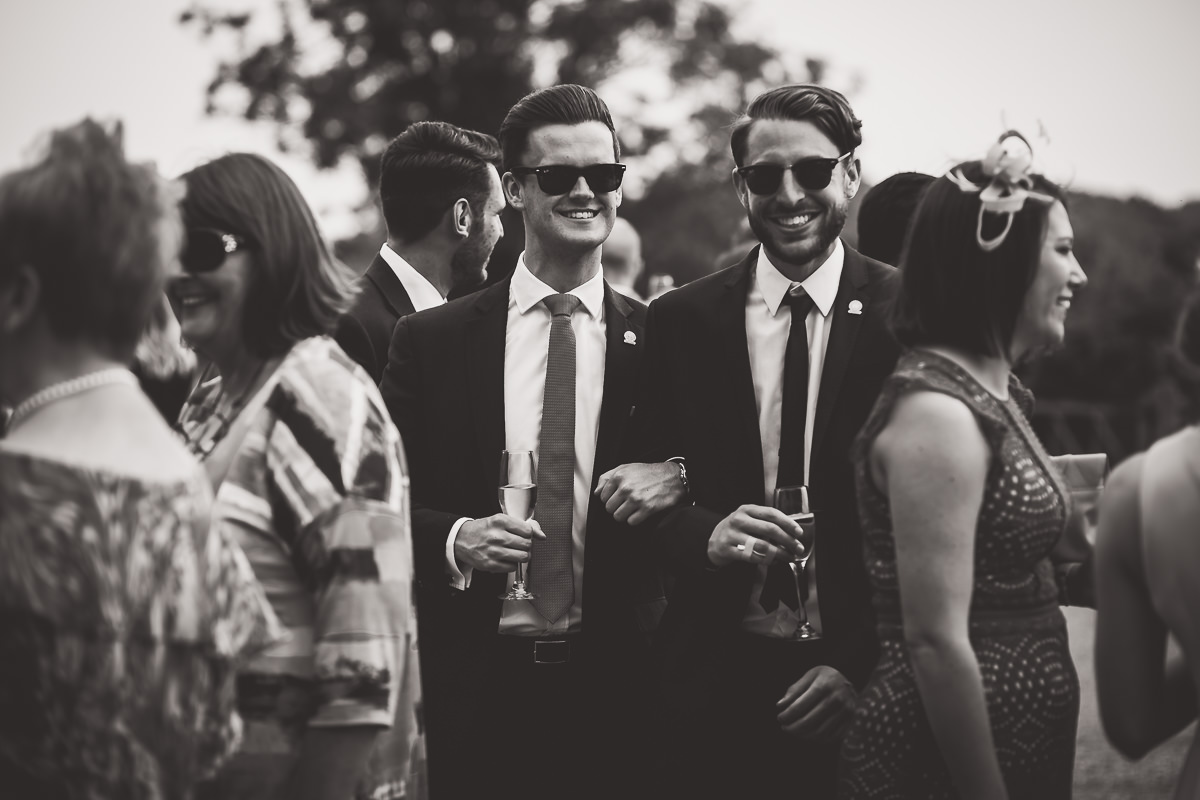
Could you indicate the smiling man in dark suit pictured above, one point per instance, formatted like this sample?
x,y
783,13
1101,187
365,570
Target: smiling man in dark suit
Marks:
x,y
441,196
531,698
760,376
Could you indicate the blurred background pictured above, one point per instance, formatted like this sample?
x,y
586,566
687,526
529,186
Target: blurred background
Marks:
x,y
1104,90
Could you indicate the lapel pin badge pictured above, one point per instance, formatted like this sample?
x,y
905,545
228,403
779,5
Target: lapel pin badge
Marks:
x,y
855,307
630,337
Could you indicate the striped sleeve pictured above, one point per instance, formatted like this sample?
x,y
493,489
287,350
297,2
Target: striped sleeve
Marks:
x,y
335,461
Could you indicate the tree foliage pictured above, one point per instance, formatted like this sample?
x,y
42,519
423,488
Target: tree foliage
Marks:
x,y
350,74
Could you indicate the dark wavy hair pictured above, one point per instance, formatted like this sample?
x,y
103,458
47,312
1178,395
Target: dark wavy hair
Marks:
x,y
565,104
98,230
298,289
426,169
952,292
825,108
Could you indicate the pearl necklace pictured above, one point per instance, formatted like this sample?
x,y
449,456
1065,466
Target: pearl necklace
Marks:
x,y
112,376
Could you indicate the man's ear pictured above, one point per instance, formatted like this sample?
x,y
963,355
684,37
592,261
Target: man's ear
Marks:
x,y
513,191
19,298
853,177
460,217
739,186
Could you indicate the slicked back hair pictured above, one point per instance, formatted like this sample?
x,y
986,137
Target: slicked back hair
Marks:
x,y
99,232
298,289
565,104
951,291
825,108
426,169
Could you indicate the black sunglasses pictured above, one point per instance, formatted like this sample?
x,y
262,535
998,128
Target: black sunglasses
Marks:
x,y
205,249
813,174
560,179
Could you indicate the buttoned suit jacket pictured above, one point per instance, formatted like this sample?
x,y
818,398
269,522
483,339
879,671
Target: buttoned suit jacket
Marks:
x,y
365,331
444,386
698,401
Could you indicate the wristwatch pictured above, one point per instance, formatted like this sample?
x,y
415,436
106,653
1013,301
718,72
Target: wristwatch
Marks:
x,y
683,478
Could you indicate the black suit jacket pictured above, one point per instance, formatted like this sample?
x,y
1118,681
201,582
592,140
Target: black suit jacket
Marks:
x,y
365,331
698,402
444,386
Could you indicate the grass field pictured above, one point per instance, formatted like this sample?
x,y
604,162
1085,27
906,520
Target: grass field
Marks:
x,y
1101,773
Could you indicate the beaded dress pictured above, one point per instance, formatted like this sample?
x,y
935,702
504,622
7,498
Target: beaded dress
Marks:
x,y
1016,628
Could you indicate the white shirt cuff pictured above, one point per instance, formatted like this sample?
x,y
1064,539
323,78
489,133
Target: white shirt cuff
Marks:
x,y
458,579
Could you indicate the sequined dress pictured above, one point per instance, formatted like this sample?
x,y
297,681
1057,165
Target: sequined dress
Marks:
x,y
1016,629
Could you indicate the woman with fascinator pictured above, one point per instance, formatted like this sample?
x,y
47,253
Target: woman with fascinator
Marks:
x,y
310,477
975,695
1147,563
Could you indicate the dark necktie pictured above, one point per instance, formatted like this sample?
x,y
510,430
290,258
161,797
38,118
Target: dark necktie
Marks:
x,y
780,586
551,576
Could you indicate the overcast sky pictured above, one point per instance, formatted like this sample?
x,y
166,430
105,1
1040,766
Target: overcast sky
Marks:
x,y
1112,84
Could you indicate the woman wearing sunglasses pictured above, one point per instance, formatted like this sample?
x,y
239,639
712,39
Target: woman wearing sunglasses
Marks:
x,y
975,694
310,476
123,611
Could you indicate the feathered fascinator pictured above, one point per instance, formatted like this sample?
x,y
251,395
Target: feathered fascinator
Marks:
x,y
1007,168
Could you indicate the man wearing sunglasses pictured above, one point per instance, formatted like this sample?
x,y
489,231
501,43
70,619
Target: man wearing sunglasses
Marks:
x,y
440,193
536,698
760,376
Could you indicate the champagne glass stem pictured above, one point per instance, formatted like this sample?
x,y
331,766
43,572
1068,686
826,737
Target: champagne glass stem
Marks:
x,y
798,576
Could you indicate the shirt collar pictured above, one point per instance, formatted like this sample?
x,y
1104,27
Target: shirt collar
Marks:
x,y
527,290
422,293
821,285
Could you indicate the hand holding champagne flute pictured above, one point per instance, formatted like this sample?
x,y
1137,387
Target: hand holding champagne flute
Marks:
x,y
793,501
518,498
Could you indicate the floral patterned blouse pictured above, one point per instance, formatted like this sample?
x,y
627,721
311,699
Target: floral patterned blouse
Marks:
x,y
123,616
317,495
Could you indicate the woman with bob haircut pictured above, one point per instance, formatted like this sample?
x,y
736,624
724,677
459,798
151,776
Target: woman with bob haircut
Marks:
x,y
974,694
309,474
1147,556
123,612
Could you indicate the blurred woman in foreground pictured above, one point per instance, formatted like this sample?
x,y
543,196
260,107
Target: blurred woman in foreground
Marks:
x,y
123,614
1148,585
310,476
975,694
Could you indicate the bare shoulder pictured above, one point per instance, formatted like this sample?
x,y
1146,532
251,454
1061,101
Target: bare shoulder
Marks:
x,y
929,427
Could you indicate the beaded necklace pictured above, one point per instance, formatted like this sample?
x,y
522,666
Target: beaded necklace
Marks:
x,y
113,376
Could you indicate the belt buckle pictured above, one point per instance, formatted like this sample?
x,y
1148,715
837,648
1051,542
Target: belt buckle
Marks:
x,y
551,651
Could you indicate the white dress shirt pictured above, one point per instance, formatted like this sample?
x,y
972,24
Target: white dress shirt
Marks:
x,y
526,346
422,293
768,323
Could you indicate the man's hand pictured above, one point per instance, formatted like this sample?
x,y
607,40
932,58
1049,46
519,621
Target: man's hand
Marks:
x,y
634,492
495,543
819,706
765,534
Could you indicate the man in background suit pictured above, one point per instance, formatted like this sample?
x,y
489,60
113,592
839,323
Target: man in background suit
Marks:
x,y
752,713
530,698
440,192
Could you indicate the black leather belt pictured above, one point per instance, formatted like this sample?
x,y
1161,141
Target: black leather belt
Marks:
x,y
534,650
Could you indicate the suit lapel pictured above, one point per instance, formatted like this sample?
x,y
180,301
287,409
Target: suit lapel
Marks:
x,y
484,339
393,291
735,375
622,340
844,328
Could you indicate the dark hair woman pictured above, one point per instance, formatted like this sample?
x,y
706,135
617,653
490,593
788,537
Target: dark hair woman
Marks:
x,y
310,476
975,694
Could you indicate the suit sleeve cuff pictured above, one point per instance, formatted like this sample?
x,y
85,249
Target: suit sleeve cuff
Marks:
x,y
459,579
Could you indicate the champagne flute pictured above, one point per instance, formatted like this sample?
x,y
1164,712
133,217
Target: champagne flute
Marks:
x,y
518,497
793,501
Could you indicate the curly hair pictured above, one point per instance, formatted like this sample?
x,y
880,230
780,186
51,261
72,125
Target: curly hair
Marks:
x,y
99,231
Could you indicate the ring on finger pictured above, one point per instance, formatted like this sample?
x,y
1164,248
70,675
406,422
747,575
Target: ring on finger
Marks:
x,y
754,551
